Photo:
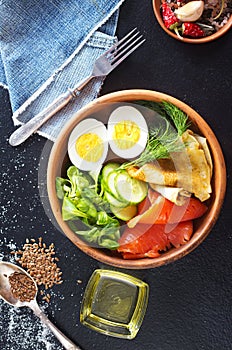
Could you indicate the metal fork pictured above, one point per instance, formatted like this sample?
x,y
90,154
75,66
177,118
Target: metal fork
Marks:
x,y
102,67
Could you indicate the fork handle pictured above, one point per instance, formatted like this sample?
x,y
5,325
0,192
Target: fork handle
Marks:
x,y
26,130
81,84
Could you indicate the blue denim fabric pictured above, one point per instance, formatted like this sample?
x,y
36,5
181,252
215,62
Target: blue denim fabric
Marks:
x,y
2,74
47,47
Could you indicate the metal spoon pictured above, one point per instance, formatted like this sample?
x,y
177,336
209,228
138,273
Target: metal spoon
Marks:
x,y
6,269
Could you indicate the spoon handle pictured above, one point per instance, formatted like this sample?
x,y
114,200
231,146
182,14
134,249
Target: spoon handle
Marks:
x,y
66,342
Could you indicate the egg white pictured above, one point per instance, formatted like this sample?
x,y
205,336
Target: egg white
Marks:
x,y
86,126
130,113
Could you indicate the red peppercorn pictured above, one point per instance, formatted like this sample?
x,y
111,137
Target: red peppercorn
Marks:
x,y
192,29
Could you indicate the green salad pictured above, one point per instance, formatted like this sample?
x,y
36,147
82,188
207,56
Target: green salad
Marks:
x,y
94,204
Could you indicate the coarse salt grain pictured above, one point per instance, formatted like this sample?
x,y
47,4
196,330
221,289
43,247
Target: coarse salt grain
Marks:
x,y
24,331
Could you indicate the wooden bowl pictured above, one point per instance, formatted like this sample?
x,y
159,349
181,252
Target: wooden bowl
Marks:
x,y
58,161
218,34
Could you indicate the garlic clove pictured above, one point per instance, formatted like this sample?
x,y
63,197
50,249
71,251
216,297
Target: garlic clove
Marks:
x,y
190,12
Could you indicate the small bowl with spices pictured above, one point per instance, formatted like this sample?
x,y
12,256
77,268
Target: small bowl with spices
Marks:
x,y
194,21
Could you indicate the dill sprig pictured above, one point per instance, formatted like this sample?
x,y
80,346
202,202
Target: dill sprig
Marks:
x,y
165,138
178,117
161,142
155,106
170,112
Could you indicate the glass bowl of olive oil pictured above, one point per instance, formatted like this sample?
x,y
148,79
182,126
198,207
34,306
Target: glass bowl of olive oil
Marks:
x,y
114,303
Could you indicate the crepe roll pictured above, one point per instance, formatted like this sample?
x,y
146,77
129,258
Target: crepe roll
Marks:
x,y
190,169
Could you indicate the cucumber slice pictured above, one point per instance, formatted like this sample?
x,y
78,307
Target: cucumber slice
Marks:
x,y
110,184
126,213
129,189
114,201
108,168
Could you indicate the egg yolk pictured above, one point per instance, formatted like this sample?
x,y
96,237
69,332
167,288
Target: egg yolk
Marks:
x,y
126,134
90,147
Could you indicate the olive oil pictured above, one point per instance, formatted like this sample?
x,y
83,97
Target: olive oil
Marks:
x,y
114,303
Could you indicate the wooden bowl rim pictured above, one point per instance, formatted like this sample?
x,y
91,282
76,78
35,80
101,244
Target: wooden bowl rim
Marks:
x,y
218,34
219,173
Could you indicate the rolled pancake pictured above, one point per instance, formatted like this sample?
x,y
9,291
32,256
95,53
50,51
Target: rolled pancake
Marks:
x,y
188,169
203,142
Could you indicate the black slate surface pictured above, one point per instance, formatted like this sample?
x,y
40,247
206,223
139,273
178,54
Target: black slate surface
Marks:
x,y
190,300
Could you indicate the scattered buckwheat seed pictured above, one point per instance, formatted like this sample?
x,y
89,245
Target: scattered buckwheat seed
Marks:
x,y
40,262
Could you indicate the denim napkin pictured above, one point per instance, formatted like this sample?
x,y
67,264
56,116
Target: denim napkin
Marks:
x,y
46,47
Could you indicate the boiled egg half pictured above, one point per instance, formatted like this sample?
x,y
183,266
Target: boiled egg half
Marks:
x,y
88,145
127,132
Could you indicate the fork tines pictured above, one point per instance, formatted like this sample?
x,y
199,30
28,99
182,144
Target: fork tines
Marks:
x,y
124,47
